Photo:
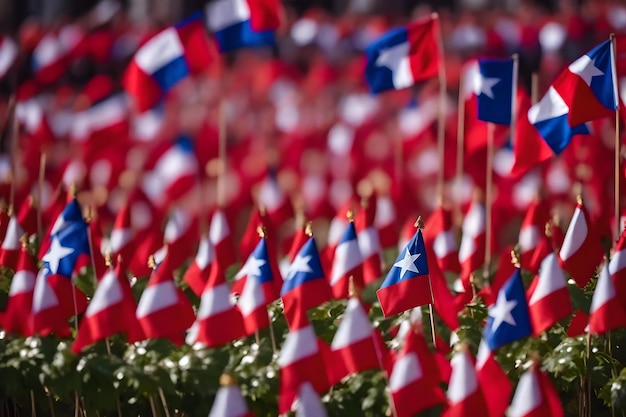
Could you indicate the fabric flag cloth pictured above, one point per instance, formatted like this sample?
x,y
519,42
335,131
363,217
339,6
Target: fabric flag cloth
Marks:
x,y
172,55
465,394
535,396
492,380
356,346
473,241
582,251
496,84
243,23
548,297
219,320
274,201
585,91
531,233
508,319
403,56
441,236
10,249
56,297
301,360
260,287
347,264
110,311
308,403
369,242
49,60
228,400
407,284
607,311
197,274
163,310
305,286
180,235
170,172
617,268
20,301
8,54
222,239
414,378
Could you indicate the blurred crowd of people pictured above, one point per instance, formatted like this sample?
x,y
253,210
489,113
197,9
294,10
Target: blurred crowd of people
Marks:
x,y
301,110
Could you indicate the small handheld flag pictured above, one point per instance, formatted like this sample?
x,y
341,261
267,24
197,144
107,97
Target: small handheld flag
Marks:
x,y
508,318
494,86
407,284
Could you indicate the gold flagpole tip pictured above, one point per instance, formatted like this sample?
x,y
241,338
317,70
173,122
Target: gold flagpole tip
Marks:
x,y
350,215
612,35
228,380
24,240
10,210
548,228
419,223
262,210
261,230
515,56
107,258
351,288
579,199
308,229
73,190
151,262
515,259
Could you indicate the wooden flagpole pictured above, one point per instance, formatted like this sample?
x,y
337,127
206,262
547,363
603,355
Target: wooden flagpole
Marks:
x,y
618,226
460,137
441,121
419,223
488,201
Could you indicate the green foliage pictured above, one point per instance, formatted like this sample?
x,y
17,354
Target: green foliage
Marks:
x,y
143,378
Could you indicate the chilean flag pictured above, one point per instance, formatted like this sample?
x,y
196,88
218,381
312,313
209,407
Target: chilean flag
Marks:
x,y
356,346
617,268
198,272
243,23
219,320
305,286
260,288
404,56
162,62
407,284
369,242
607,311
492,379
548,297
465,395
531,232
56,297
163,310
49,60
585,91
535,396
581,252
19,304
414,378
442,237
170,172
347,263
301,361
110,311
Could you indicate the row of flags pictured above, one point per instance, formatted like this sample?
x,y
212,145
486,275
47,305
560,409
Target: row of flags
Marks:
x,y
41,301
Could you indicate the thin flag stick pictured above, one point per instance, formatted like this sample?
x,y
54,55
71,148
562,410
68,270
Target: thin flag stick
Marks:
x,y
534,88
618,226
419,223
441,121
460,137
488,201
42,175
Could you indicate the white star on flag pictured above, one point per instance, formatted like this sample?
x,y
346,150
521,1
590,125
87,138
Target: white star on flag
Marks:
x,y
300,264
407,263
484,85
585,68
251,268
396,59
55,254
501,311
